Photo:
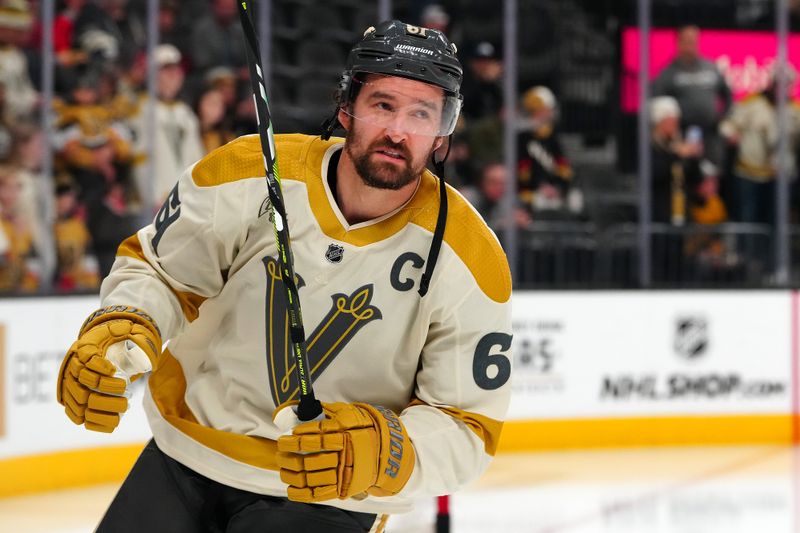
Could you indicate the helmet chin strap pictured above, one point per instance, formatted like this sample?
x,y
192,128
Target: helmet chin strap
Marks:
x,y
441,219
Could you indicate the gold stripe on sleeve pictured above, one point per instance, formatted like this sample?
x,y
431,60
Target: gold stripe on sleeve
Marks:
x,y
190,302
487,429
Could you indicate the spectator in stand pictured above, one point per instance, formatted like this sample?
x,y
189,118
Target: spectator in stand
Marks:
x,y
132,85
706,206
177,142
213,124
125,24
713,256
21,99
36,202
701,90
91,141
175,29
673,161
6,140
671,157
752,128
223,79
217,39
484,140
545,175
483,109
435,16
482,87
64,41
19,270
494,183
239,114
96,150
76,267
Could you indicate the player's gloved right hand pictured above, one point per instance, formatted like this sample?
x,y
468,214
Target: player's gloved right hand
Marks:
x,y
115,345
357,450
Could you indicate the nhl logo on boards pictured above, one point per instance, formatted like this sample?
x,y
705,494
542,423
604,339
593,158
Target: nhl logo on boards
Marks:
x,y
691,337
334,253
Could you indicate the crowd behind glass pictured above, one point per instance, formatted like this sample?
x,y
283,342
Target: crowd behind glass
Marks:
x,y
713,158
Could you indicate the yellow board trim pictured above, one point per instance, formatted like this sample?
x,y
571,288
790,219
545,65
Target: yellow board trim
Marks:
x,y
67,469
649,431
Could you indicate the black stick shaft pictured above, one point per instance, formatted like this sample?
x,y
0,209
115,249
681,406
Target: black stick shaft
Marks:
x,y
309,407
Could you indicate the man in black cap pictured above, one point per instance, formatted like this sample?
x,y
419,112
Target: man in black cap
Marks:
x,y
483,92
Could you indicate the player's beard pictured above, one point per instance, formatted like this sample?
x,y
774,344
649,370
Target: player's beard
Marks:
x,y
383,174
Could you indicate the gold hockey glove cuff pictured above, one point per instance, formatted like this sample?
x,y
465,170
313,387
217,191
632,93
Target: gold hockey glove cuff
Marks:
x,y
359,449
90,387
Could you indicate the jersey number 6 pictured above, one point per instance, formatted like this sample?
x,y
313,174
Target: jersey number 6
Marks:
x,y
484,360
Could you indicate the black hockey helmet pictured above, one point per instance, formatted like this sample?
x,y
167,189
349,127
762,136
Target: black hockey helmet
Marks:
x,y
398,49
394,48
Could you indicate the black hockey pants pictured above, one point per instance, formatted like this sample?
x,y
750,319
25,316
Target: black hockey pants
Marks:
x,y
160,495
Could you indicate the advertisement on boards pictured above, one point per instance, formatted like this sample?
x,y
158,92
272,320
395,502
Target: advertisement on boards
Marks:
x,y
36,333
617,354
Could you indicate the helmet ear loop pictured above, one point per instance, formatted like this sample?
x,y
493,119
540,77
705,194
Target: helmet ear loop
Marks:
x,y
330,124
343,91
439,165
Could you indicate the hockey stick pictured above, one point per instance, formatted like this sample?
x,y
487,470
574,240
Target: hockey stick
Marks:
x,y
309,407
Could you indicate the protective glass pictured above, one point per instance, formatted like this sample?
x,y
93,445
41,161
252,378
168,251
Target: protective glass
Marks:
x,y
382,105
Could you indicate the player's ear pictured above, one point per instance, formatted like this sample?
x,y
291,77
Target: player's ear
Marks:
x,y
344,119
438,143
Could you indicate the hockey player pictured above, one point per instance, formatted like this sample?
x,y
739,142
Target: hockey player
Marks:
x,y
414,378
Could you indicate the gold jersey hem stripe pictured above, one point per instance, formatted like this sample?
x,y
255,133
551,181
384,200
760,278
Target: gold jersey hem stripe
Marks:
x,y
65,469
168,390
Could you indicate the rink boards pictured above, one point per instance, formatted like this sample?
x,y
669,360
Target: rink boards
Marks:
x,y
590,369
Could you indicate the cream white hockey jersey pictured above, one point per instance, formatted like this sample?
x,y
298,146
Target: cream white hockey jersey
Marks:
x,y
205,270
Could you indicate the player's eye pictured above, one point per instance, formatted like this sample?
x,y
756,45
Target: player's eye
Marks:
x,y
421,114
384,106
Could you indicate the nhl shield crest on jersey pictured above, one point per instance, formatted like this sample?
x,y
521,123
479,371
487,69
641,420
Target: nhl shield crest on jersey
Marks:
x,y
334,253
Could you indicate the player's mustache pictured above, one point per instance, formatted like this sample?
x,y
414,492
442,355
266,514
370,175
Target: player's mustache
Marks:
x,y
393,147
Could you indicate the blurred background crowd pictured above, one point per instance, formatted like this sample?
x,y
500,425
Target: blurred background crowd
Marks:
x,y
83,169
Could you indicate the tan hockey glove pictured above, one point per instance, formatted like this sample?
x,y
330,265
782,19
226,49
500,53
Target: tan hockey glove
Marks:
x,y
115,345
358,449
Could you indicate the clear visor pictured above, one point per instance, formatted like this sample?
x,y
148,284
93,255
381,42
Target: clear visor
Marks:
x,y
398,107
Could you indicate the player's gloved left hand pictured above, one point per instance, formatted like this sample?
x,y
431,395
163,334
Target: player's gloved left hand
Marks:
x,y
358,449
115,345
